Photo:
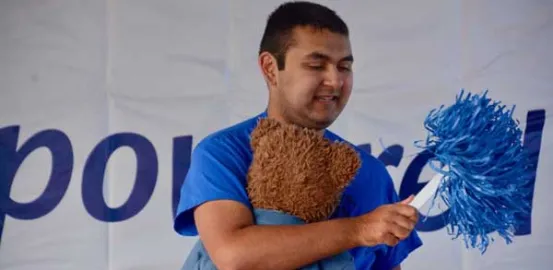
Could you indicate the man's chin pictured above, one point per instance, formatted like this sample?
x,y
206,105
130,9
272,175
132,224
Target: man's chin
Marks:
x,y
322,123
318,122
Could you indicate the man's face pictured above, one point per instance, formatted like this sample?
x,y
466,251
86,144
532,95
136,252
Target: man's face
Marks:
x,y
316,82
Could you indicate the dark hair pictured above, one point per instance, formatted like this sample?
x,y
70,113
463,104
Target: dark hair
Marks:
x,y
281,22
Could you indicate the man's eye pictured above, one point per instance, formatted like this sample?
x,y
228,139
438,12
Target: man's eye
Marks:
x,y
316,67
345,67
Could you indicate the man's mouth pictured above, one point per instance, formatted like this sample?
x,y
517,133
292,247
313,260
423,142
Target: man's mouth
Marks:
x,y
327,98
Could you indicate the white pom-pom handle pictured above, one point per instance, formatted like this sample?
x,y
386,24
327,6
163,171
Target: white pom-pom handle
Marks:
x,y
427,192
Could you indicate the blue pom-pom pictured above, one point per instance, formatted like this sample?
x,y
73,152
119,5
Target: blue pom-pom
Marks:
x,y
486,184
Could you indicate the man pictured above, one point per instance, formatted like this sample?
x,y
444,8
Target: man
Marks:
x,y
306,60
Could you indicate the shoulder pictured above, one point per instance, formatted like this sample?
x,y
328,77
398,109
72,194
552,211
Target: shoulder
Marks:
x,y
230,141
217,170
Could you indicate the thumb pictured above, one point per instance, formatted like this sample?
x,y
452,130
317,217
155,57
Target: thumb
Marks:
x,y
408,199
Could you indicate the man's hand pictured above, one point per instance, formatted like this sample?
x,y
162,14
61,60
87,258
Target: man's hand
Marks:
x,y
387,224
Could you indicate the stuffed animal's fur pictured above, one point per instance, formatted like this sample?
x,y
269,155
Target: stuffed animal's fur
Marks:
x,y
297,171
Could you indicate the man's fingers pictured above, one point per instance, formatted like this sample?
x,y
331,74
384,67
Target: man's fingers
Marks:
x,y
405,222
390,240
408,200
398,231
407,211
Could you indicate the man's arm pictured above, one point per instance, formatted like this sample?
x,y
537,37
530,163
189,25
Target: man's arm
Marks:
x,y
233,242
397,267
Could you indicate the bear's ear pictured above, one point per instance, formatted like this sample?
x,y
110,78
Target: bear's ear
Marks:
x,y
344,163
264,127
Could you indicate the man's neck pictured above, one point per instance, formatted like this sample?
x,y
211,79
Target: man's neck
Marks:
x,y
272,114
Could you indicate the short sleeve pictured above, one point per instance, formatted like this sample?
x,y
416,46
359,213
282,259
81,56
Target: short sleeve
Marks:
x,y
393,256
217,172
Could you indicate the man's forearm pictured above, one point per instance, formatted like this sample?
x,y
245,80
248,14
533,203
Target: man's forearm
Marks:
x,y
287,246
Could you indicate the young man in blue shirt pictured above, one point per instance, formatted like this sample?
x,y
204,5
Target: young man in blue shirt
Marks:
x,y
306,60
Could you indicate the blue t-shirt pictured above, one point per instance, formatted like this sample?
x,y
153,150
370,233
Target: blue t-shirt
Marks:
x,y
218,170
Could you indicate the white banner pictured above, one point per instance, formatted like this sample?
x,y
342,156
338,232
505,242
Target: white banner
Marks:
x,y
101,103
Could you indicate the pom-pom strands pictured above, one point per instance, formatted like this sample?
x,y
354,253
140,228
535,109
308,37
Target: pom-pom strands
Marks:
x,y
485,185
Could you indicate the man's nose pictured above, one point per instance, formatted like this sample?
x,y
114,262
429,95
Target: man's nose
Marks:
x,y
333,78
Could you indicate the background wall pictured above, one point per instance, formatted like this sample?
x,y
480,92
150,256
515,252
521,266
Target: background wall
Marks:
x,y
136,84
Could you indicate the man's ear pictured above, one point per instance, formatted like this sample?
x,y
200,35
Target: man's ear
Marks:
x,y
269,68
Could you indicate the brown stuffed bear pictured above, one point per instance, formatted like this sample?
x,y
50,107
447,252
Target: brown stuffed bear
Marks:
x,y
297,171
